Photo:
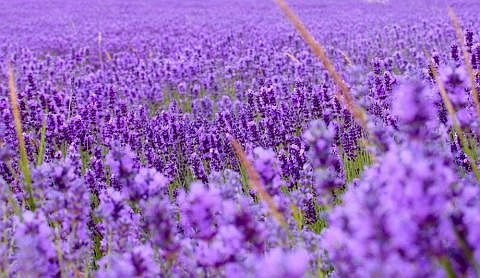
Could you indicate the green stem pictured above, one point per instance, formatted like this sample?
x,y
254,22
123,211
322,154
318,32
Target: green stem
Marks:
x,y
447,266
41,150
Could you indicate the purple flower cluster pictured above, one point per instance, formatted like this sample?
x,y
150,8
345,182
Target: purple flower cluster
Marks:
x,y
129,111
36,254
324,159
395,221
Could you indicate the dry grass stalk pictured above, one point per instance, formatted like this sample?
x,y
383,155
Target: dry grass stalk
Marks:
x,y
466,58
453,118
443,92
99,41
19,131
345,96
293,58
347,59
255,184
109,57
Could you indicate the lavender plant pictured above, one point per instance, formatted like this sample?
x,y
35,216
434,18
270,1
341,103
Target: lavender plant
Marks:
x,y
213,139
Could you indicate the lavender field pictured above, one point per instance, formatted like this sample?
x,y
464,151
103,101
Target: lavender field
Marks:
x,y
243,138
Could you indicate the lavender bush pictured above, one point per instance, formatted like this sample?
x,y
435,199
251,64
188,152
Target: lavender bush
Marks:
x,y
206,139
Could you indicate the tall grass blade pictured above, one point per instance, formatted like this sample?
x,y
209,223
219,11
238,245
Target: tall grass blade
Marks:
x,y
451,112
347,59
293,58
41,149
21,142
99,41
344,94
466,58
255,184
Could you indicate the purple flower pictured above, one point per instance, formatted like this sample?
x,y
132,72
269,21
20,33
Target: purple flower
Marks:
x,y
395,221
268,167
324,159
159,219
198,211
222,249
121,162
138,262
35,253
413,109
121,225
455,81
147,183
5,153
321,140
65,204
278,263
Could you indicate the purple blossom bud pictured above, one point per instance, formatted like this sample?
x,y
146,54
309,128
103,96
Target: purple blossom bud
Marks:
x,y
278,263
35,254
198,211
413,109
